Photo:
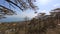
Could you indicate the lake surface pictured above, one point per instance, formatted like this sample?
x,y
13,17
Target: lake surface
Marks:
x,y
11,19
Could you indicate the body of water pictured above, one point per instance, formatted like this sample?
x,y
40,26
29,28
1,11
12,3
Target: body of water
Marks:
x,y
11,19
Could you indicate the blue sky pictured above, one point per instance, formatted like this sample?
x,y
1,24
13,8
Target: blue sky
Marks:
x,y
43,5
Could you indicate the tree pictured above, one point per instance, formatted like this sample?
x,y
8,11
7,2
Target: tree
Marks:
x,y
5,11
21,4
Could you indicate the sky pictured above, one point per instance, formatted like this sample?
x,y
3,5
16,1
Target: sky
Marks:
x,y
44,6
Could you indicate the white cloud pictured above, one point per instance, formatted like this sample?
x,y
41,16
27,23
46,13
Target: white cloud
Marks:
x,y
44,11
24,14
56,5
44,2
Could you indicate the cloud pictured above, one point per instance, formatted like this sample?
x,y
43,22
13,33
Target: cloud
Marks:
x,y
44,11
30,15
56,5
24,14
44,2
